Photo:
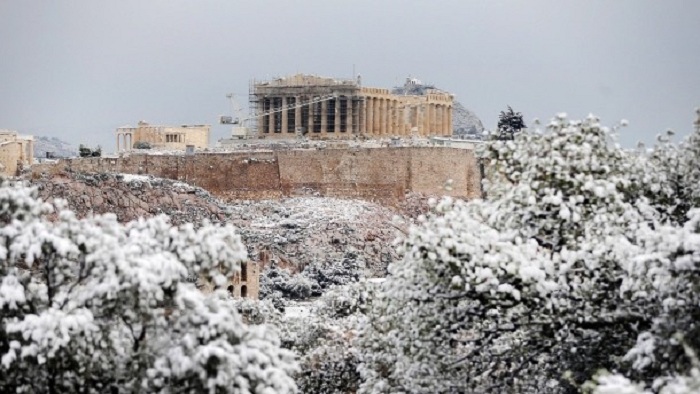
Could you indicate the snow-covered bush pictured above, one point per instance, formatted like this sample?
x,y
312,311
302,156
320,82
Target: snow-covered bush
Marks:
x,y
277,283
91,305
258,311
330,357
323,339
336,272
689,383
331,366
347,300
668,175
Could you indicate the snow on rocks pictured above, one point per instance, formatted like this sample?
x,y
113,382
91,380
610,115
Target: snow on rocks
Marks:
x,y
131,197
295,232
291,233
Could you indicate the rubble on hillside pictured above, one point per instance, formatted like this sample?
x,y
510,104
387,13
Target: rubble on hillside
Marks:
x,y
290,233
414,205
296,232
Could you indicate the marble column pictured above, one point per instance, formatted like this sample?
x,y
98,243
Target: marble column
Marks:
x,y
383,117
450,128
361,113
261,119
297,113
390,117
336,126
284,115
377,116
271,117
349,121
369,129
445,122
312,107
426,120
324,116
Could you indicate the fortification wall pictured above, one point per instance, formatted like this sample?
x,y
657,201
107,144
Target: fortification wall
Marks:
x,y
378,174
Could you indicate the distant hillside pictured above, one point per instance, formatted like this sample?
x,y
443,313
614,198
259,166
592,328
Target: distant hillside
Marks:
x,y
465,123
55,145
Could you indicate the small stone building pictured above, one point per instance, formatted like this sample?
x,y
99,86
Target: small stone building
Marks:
x,y
16,152
245,284
162,137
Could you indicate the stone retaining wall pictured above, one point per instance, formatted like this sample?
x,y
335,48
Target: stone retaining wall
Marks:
x,y
376,174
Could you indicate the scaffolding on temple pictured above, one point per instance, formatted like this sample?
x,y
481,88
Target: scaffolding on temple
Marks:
x,y
253,109
329,108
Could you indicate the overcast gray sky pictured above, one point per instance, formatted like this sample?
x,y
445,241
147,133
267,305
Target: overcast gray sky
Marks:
x,y
77,69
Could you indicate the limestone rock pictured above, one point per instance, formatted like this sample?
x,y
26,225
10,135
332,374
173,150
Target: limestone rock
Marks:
x,y
465,123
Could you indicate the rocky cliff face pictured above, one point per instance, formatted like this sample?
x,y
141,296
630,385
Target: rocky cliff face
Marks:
x,y
297,232
130,197
290,233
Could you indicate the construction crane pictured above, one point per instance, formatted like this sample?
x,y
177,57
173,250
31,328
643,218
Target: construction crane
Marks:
x,y
240,127
235,110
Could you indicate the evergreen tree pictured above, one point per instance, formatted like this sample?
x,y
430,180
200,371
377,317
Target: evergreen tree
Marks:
x,y
509,123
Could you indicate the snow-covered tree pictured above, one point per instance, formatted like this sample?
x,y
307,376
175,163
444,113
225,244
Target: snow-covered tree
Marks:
x,y
450,311
669,176
665,277
552,185
662,175
523,291
691,154
91,305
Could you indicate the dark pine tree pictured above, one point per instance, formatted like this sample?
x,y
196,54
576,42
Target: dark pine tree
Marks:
x,y
509,123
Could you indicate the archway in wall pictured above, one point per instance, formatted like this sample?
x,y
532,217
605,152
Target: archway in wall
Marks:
x,y
230,290
244,291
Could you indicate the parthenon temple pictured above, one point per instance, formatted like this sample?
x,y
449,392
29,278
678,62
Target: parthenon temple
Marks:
x,y
328,108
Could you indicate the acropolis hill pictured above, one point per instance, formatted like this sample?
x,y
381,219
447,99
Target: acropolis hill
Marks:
x,y
308,135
